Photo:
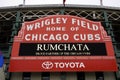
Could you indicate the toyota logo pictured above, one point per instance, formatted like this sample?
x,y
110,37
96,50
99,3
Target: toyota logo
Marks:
x,y
47,65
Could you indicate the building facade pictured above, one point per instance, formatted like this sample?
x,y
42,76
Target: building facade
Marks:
x,y
12,18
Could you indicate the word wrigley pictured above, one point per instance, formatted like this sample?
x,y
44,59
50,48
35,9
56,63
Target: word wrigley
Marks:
x,y
49,25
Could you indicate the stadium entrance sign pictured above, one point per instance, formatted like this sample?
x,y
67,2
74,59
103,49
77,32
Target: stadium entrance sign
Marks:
x,y
62,43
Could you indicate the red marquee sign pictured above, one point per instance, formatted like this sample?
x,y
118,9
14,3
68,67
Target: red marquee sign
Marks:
x,y
62,43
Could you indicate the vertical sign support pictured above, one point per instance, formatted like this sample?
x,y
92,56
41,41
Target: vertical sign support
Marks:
x,y
110,31
15,26
14,32
109,28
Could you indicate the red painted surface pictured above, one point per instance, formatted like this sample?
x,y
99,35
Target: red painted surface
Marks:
x,y
71,26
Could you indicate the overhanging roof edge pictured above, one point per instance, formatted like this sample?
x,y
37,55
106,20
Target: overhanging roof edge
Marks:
x,y
10,8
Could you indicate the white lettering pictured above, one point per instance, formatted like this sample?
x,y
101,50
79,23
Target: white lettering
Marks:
x,y
46,37
89,37
46,22
30,27
27,37
37,25
69,65
84,24
62,47
82,65
55,28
